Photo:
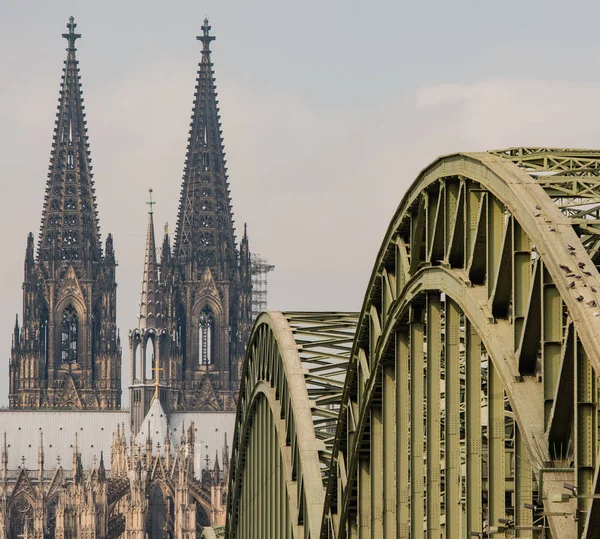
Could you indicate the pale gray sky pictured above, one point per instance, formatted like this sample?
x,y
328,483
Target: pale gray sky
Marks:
x,y
329,111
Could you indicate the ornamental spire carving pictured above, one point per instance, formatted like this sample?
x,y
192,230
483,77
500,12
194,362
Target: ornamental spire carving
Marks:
x,y
69,229
205,226
151,298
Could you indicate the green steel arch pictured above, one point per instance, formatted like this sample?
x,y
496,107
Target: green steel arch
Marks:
x,y
290,393
471,397
470,402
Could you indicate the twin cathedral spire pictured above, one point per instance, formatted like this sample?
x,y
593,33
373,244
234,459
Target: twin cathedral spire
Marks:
x,y
67,353
195,307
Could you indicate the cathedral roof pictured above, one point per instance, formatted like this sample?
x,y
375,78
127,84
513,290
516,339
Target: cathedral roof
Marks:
x,y
205,226
94,435
70,229
150,315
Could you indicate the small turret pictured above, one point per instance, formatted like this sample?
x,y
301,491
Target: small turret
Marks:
x,y
183,440
216,468
16,334
29,254
110,250
101,469
226,457
245,253
165,257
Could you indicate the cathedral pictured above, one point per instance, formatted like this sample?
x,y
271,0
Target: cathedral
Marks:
x,y
74,463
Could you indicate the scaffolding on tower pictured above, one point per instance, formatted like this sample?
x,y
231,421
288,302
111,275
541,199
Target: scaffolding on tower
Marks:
x,y
260,269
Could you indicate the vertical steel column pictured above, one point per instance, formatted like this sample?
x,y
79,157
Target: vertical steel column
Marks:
x,y
271,508
586,421
474,517
417,434
495,446
452,420
453,193
364,494
521,279
376,469
523,487
495,231
402,433
552,334
434,336
389,451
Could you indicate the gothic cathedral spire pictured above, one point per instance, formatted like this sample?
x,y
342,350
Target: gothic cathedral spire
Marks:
x,y
207,289
150,315
205,231
69,229
67,353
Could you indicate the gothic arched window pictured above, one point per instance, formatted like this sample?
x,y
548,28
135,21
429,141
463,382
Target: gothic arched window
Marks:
x,y
206,333
68,335
21,518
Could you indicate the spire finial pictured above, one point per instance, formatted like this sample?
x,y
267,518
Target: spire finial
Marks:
x,y
71,37
206,38
150,201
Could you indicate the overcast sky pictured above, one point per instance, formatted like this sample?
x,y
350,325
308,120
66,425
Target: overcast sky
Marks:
x,y
329,110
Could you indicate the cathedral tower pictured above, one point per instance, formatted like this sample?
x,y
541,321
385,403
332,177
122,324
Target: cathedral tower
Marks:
x,y
206,283
67,353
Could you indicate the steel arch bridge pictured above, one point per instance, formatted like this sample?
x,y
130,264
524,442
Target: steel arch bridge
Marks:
x,y
463,400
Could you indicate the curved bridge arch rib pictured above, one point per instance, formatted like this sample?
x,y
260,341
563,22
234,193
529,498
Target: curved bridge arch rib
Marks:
x,y
471,395
290,393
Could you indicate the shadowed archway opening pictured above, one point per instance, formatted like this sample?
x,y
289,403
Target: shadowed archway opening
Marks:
x,y
160,515
68,335
21,519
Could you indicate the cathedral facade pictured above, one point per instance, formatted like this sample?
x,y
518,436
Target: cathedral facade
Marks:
x,y
159,469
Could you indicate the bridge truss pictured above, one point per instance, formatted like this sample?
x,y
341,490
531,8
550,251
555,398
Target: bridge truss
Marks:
x,y
470,398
